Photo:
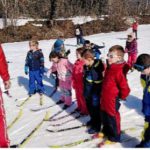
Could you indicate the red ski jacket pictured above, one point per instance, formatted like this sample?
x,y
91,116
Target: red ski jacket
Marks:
x,y
77,74
135,26
114,86
3,66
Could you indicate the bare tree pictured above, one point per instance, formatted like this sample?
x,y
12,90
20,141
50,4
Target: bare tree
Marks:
x,y
5,11
10,10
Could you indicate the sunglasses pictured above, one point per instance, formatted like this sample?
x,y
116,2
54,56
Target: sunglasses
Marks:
x,y
111,55
140,67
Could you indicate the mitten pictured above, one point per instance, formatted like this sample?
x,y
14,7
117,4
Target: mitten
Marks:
x,y
26,70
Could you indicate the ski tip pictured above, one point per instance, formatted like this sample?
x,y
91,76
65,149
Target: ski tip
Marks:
x,y
13,146
54,146
51,129
47,116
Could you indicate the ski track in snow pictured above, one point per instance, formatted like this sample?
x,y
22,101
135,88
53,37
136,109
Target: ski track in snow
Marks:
x,y
130,110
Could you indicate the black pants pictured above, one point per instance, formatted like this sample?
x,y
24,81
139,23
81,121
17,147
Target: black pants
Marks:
x,y
79,39
110,127
135,31
111,124
94,112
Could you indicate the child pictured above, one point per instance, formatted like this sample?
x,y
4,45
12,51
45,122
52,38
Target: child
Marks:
x,y
134,28
60,48
34,65
79,35
4,141
64,72
59,44
93,76
114,88
95,48
143,65
96,51
77,81
131,49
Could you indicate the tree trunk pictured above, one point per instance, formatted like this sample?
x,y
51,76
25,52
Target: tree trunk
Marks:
x,y
4,4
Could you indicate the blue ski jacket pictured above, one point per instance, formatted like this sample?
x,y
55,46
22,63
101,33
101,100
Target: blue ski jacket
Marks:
x,y
145,81
35,60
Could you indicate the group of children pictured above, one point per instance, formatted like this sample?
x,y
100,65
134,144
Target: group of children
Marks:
x,y
92,79
99,87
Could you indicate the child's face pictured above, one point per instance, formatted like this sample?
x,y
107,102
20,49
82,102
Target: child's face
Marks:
x,y
88,61
88,46
129,36
113,57
33,46
146,71
55,60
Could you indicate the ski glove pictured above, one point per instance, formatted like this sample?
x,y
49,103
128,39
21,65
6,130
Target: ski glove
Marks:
x,y
26,70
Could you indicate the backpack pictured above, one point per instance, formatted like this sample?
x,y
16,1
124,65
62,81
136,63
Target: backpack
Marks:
x,y
77,31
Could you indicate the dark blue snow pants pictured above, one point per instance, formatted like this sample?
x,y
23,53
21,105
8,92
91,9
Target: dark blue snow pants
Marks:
x,y
35,82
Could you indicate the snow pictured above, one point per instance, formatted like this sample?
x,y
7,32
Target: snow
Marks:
x,y
18,22
75,20
131,116
80,19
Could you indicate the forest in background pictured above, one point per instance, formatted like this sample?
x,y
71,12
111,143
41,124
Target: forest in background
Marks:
x,y
115,13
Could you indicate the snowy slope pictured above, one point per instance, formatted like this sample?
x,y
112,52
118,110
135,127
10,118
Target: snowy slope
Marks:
x,y
130,110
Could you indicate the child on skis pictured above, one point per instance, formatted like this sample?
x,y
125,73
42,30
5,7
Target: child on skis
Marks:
x,y
135,27
131,49
79,35
114,89
77,81
92,80
64,72
143,65
34,66
4,141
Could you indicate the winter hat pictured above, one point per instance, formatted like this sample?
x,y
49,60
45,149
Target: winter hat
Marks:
x,y
143,60
87,42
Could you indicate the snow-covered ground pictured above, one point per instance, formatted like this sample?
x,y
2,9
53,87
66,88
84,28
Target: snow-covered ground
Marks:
x,y
131,117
